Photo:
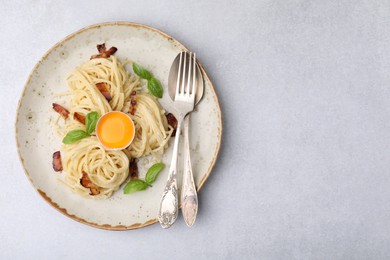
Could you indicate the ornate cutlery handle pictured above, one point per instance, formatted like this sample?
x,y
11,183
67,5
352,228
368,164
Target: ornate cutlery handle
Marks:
x,y
169,202
189,197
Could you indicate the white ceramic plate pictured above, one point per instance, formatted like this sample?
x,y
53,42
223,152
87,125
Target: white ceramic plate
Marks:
x,y
37,141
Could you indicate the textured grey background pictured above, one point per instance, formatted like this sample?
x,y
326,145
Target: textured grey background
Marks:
x,y
304,168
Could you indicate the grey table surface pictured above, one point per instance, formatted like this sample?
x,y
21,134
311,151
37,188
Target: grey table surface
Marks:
x,y
304,168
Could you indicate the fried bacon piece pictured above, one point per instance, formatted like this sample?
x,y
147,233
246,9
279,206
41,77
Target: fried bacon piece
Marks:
x,y
57,163
101,47
86,183
102,87
103,52
133,103
79,117
111,51
172,121
61,110
133,169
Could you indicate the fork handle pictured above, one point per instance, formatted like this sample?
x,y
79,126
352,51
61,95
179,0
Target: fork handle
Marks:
x,y
169,202
189,197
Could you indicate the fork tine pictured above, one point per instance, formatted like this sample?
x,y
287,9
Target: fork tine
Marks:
x,y
193,90
184,74
188,88
179,74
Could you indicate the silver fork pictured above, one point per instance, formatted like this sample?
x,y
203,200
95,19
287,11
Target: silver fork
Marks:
x,y
184,104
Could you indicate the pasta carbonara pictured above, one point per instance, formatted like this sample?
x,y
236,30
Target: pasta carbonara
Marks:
x,y
102,84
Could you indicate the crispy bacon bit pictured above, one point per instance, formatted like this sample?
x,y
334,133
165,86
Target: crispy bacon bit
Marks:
x,y
57,163
86,182
111,51
79,117
61,110
102,87
133,103
133,170
172,121
132,110
101,47
103,53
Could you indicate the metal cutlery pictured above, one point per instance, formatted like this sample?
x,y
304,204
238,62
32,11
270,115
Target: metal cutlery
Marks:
x,y
184,101
189,198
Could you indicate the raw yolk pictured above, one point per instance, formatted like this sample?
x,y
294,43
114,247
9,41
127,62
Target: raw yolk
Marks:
x,y
115,130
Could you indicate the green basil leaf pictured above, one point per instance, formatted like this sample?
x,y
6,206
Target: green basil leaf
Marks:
x,y
155,88
74,136
141,72
90,121
134,185
153,171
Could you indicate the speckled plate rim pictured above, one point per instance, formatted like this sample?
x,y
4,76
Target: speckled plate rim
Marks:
x,y
44,57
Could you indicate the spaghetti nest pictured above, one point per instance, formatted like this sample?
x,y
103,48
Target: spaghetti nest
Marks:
x,y
91,170
104,85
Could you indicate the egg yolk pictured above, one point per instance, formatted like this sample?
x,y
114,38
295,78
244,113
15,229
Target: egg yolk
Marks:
x,y
115,130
